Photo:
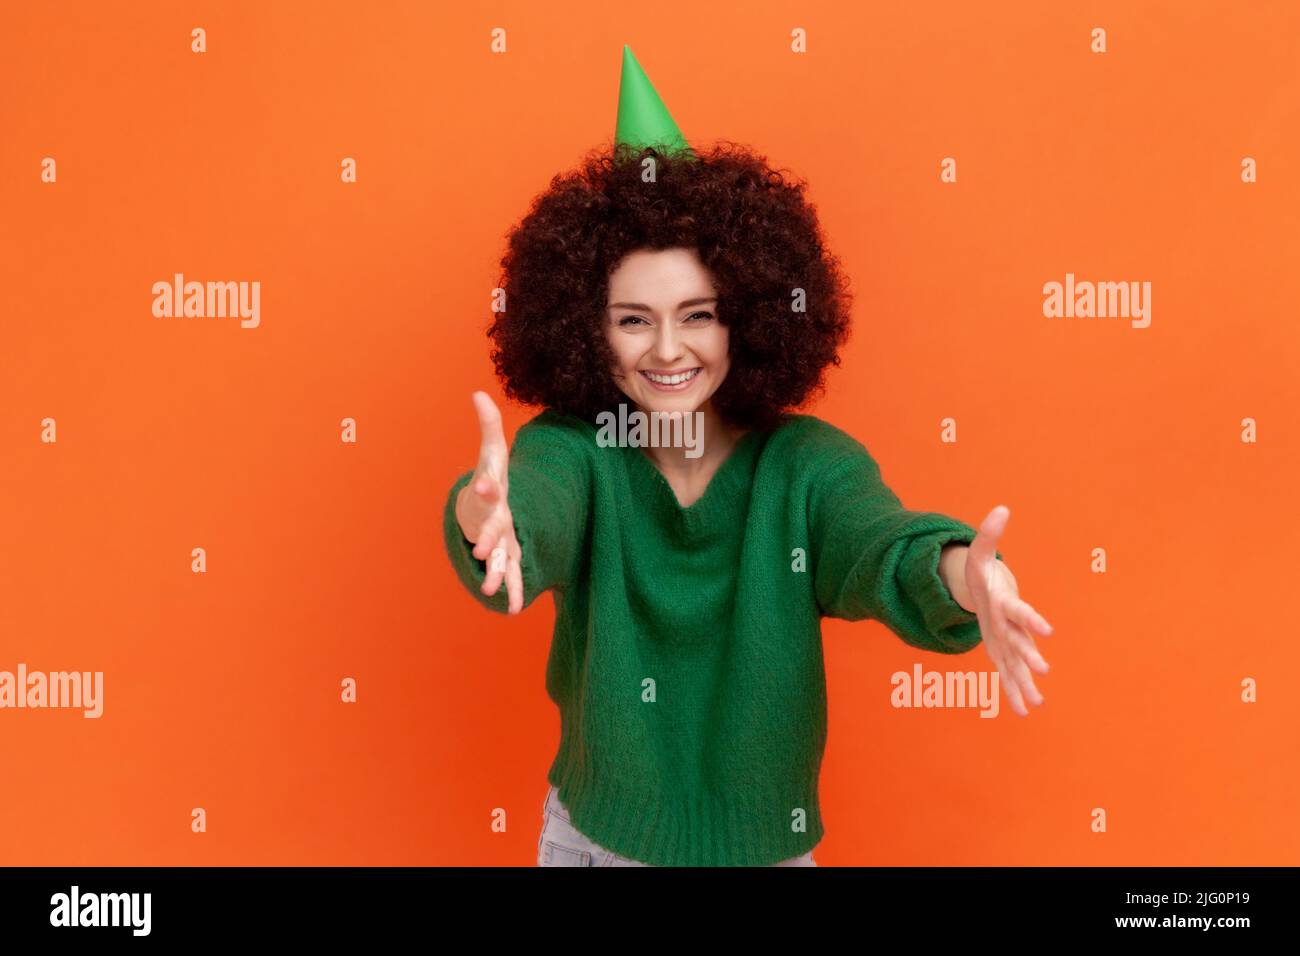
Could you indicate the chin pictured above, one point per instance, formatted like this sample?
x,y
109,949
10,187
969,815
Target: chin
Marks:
x,y
658,403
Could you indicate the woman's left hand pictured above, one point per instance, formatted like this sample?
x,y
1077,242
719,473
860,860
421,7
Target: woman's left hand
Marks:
x,y
1006,622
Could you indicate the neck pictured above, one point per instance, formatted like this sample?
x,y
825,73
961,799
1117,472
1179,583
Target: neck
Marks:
x,y
716,439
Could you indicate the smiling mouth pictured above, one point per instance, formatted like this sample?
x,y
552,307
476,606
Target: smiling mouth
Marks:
x,y
676,382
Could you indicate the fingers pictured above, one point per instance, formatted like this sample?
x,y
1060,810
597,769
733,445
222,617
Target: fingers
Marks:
x,y
1007,648
492,446
497,558
1023,645
487,488
984,547
1000,650
1024,680
1029,619
1021,619
515,580
999,657
487,540
1013,690
504,562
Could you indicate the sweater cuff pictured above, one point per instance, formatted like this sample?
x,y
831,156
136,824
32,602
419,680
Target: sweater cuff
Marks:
x,y
955,630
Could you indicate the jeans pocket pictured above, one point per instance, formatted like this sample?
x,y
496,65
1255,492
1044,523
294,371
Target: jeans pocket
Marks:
x,y
553,854
554,807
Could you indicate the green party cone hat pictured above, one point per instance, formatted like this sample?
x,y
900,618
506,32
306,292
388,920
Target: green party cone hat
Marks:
x,y
643,120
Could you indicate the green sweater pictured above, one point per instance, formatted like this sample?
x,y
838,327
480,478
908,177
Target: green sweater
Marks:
x,y
686,659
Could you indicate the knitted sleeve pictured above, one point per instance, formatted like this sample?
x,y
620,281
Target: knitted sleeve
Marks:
x,y
548,494
875,559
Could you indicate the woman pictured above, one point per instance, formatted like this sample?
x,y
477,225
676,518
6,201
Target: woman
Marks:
x,y
690,582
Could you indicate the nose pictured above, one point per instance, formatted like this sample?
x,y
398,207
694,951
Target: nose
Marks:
x,y
668,344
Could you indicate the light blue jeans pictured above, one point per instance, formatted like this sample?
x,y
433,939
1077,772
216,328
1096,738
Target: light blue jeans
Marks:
x,y
561,844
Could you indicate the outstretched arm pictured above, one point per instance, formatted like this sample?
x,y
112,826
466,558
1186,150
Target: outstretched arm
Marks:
x,y
875,559
936,582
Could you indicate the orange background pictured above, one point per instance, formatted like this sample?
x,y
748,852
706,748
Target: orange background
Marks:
x,y
325,560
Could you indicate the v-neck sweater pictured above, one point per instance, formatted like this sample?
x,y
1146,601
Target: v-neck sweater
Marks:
x,y
686,657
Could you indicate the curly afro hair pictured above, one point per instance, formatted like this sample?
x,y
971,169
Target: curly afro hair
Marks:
x,y
751,227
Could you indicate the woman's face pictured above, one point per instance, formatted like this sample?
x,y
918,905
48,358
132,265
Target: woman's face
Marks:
x,y
671,352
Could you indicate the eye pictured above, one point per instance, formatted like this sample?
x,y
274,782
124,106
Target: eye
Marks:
x,y
703,316
629,319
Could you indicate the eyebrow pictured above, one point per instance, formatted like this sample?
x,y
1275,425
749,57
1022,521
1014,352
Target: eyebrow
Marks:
x,y
640,305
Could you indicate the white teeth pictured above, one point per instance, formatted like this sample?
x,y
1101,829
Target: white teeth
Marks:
x,y
672,379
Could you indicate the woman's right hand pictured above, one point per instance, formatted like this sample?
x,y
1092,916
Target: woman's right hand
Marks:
x,y
482,511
